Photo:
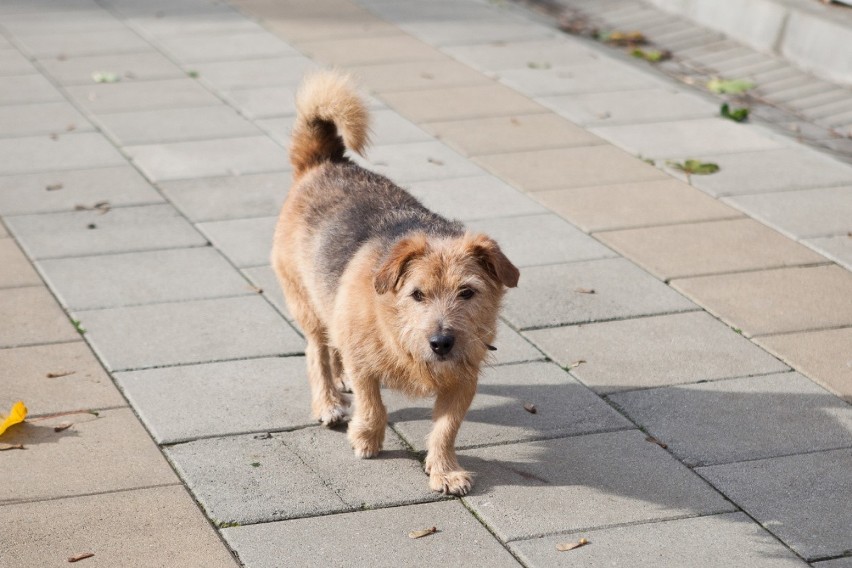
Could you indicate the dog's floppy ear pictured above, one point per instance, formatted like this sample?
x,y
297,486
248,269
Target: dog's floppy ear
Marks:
x,y
393,267
495,262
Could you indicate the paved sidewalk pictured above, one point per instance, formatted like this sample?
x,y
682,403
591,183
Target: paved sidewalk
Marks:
x,y
685,340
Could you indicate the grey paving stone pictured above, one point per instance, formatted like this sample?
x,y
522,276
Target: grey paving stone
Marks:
x,y
129,67
581,483
838,248
377,538
119,455
141,95
741,419
48,532
13,63
653,351
648,105
715,541
172,125
29,193
30,316
594,77
247,242
82,43
225,46
59,377
123,229
232,197
188,332
502,56
264,102
27,89
541,239
845,562
474,197
689,138
207,19
17,270
512,347
795,497
113,280
46,118
61,21
802,213
254,72
264,278
472,27
547,295
231,397
417,161
66,152
208,158
497,416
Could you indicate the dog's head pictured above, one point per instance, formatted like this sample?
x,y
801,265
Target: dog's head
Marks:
x,y
444,294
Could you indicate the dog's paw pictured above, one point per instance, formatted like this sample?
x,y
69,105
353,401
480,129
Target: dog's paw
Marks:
x,y
332,416
451,482
366,444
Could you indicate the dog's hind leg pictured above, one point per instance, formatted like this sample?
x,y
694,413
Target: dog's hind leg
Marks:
x,y
367,429
445,473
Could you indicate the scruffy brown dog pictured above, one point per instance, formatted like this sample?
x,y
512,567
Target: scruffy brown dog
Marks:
x,y
386,291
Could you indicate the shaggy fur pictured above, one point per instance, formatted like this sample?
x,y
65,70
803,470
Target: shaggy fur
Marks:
x,y
380,285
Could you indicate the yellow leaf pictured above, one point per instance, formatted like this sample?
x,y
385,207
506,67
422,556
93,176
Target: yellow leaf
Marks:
x,y
17,414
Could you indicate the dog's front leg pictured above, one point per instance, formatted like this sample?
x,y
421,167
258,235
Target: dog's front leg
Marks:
x,y
367,428
445,473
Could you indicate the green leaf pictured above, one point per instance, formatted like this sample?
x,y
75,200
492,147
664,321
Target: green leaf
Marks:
x,y
696,167
538,65
194,74
652,55
731,87
105,77
737,114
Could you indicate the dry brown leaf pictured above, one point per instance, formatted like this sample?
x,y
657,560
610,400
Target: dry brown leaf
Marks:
x,y
422,533
54,186
576,364
71,127
584,290
54,136
653,440
4,447
566,546
62,426
435,161
60,374
530,407
256,289
78,557
427,76
515,121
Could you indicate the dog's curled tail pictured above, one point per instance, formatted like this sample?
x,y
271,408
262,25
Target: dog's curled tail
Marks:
x,y
330,118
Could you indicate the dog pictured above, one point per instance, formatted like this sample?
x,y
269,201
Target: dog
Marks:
x,y
386,291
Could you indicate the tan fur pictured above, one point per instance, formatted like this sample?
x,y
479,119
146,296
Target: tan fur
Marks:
x,y
370,304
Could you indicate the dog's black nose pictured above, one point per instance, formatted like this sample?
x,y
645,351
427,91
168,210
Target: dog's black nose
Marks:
x,y
442,344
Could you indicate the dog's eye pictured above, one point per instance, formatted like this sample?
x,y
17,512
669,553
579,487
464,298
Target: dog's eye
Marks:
x,y
417,295
466,293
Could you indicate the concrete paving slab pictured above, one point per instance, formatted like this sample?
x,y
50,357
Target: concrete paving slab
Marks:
x,y
224,75
412,75
378,538
581,483
330,24
17,270
60,22
625,107
715,541
812,298
512,347
41,192
497,416
231,197
208,19
794,497
600,76
60,377
804,213
262,102
129,67
547,295
47,533
66,152
31,316
231,397
696,249
837,248
45,118
27,89
458,103
246,242
689,138
741,419
417,161
653,351
13,63
502,56
510,134
123,229
141,95
521,239
127,279
107,452
588,166
369,50
844,562
173,125
225,46
188,332
73,44
475,197
208,158
265,279
821,355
